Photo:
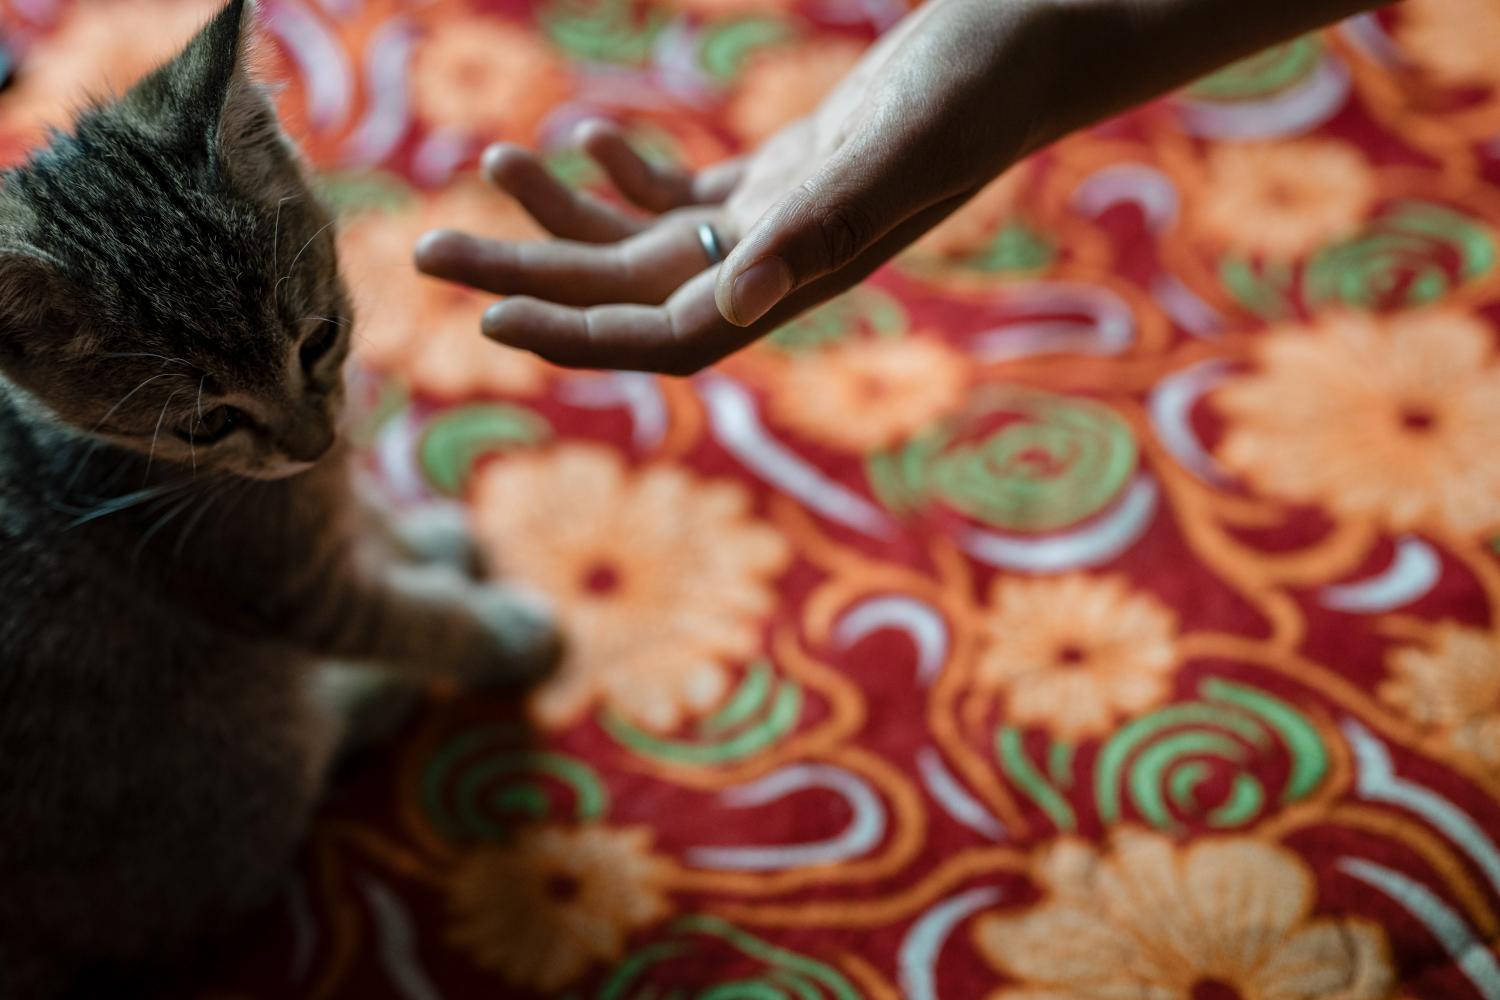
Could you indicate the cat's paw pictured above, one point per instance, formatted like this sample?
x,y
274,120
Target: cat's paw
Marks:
x,y
369,704
439,533
527,642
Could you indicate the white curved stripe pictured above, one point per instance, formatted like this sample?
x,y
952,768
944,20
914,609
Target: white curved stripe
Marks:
x,y
393,933
1132,183
388,112
1365,31
607,87
678,66
731,411
1185,308
635,391
1471,955
342,8
396,448
1110,328
1411,575
321,62
918,619
36,11
304,930
955,800
917,959
1376,780
1171,405
883,14
439,154
1093,545
1293,112
864,831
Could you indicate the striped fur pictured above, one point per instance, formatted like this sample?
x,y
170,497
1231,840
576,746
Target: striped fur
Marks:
x,y
167,593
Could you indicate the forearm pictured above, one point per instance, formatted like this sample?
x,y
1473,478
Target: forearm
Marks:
x,y
1111,55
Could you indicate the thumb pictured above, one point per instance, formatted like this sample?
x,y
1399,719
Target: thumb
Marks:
x,y
817,229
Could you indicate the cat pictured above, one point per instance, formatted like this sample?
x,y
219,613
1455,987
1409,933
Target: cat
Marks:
x,y
182,549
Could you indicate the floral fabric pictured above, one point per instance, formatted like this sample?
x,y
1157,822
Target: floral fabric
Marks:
x,y
1100,603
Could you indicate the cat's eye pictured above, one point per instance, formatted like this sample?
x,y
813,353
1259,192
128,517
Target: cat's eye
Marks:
x,y
214,425
320,339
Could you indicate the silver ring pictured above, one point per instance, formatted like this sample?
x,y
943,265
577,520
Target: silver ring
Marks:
x,y
708,238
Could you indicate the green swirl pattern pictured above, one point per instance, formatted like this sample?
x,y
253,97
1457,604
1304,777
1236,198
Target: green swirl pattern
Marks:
x,y
862,309
1413,255
726,47
761,711
352,192
481,782
1161,761
604,31
781,974
1263,74
452,443
1051,462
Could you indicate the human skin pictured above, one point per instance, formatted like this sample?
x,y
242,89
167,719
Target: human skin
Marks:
x,y
941,105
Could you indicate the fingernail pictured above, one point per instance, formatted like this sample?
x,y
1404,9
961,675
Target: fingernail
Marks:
x,y
757,290
493,321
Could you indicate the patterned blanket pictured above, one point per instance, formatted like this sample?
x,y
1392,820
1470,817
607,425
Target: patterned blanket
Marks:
x,y
1101,603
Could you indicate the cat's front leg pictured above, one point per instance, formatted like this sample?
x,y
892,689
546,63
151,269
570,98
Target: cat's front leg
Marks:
x,y
429,621
432,532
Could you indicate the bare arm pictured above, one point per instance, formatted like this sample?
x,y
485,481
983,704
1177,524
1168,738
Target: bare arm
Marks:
x,y
940,106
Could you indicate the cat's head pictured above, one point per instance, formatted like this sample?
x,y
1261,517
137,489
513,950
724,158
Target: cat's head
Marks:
x,y
169,282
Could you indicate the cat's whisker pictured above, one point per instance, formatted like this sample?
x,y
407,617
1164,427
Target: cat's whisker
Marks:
x,y
192,446
125,398
276,231
203,508
147,354
157,433
129,500
159,524
93,444
293,265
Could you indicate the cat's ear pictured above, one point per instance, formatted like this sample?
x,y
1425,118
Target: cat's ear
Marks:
x,y
35,304
208,92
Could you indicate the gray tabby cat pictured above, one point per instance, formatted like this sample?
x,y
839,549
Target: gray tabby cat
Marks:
x,y
179,544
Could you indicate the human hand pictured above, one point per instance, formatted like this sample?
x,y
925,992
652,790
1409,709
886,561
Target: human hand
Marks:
x,y
936,109
908,136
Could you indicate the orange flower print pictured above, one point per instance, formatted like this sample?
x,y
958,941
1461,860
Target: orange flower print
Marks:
x,y
712,9
662,579
1281,200
973,226
784,83
542,910
1074,654
1385,417
1455,42
1148,918
488,78
1452,689
864,395
423,330
97,50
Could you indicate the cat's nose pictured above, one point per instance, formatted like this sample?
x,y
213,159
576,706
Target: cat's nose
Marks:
x,y
307,442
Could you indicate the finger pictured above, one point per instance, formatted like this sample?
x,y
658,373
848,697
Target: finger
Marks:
x,y
564,213
678,338
832,219
712,185
645,268
655,187
686,334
